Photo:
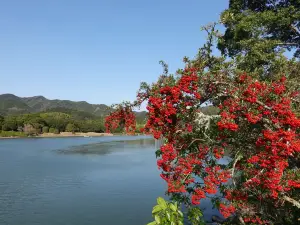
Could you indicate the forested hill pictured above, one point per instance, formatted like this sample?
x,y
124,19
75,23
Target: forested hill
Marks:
x,y
14,105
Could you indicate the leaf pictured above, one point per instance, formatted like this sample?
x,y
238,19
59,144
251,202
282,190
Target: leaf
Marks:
x,y
162,202
173,207
158,153
180,213
152,223
156,209
169,216
157,219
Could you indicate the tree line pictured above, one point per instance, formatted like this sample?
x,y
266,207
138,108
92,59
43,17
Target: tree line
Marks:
x,y
50,122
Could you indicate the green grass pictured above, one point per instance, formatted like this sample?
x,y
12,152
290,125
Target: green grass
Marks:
x,y
12,134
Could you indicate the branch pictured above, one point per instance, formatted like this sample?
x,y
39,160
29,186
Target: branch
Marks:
x,y
291,200
291,44
259,173
295,100
242,220
239,157
262,104
194,141
295,29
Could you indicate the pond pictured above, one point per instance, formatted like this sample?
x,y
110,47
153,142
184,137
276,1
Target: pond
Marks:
x,y
78,181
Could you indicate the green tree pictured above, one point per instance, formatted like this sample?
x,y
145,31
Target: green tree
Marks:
x,y
10,124
37,122
53,130
56,120
1,121
71,128
45,129
91,125
257,32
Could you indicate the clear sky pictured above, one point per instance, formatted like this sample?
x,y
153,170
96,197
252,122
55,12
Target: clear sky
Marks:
x,y
96,50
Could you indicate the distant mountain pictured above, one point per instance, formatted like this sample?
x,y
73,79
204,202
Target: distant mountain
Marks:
x,y
11,104
14,105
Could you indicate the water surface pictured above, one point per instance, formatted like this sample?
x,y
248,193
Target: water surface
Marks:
x,y
78,181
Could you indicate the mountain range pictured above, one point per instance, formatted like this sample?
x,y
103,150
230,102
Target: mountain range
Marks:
x,y
13,105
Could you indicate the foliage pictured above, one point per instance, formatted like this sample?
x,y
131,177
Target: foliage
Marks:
x,y
56,119
166,213
9,124
257,125
45,129
53,130
258,31
71,128
34,123
1,120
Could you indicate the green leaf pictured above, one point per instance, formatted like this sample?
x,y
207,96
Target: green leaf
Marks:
x,y
152,223
162,202
173,207
156,209
169,216
157,219
180,213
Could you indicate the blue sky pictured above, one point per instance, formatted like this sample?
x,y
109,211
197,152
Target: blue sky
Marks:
x,y
95,50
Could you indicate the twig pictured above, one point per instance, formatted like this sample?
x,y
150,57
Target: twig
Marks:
x,y
262,104
260,172
242,220
295,29
291,200
291,44
195,141
239,157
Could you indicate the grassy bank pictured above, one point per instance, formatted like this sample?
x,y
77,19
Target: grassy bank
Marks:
x,y
7,134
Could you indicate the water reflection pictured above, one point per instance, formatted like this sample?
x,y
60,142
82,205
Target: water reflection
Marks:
x,y
107,147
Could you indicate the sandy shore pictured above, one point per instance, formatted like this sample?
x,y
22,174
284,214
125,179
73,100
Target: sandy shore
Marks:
x,y
66,134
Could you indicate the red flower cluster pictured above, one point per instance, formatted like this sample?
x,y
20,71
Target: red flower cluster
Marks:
x,y
277,138
123,116
255,220
226,210
256,122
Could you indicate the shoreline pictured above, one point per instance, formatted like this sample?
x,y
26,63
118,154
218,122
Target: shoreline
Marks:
x,y
62,135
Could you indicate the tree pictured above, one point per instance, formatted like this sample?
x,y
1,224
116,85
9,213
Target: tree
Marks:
x,y
91,125
1,121
56,120
10,124
45,129
123,116
257,125
71,128
30,130
37,122
257,32
53,130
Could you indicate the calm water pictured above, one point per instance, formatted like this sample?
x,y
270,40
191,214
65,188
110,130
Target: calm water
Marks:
x,y
72,181
78,181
